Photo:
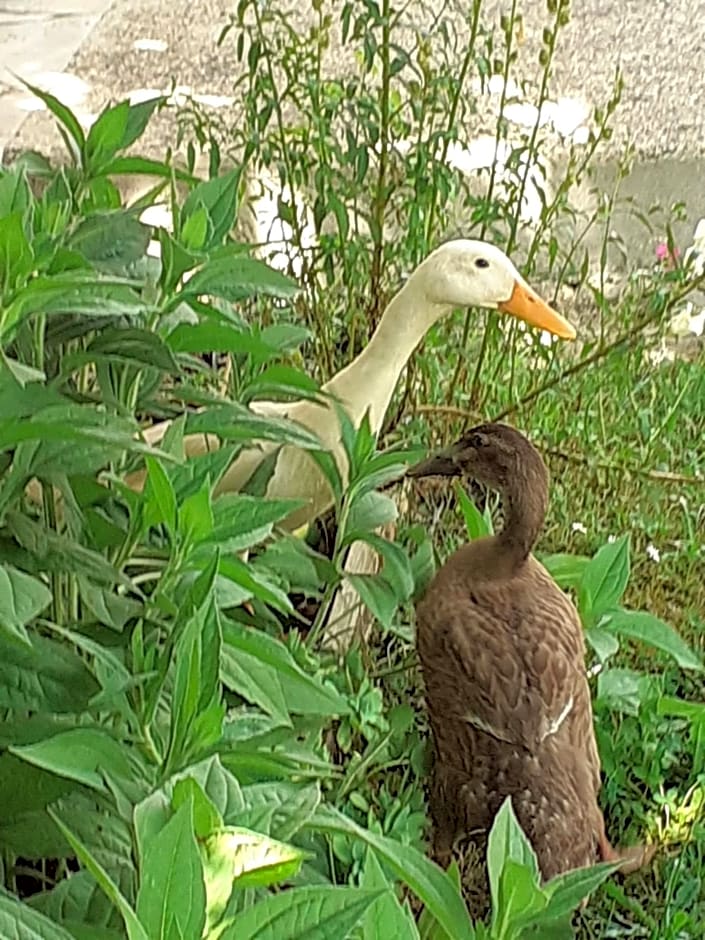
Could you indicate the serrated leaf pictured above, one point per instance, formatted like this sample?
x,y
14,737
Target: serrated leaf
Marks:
x,y
135,931
377,595
604,580
303,694
64,115
646,628
79,754
387,917
206,818
217,198
46,677
566,891
241,521
278,808
566,570
16,255
159,499
371,511
311,913
20,922
507,841
239,278
106,135
426,879
22,598
171,901
234,422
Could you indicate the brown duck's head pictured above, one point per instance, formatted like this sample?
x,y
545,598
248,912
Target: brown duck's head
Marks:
x,y
494,454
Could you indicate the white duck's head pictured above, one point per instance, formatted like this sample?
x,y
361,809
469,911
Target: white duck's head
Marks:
x,y
469,273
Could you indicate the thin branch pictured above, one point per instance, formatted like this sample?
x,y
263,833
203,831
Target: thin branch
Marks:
x,y
588,461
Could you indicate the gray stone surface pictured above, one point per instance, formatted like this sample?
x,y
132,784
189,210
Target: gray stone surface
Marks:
x,y
657,43
98,45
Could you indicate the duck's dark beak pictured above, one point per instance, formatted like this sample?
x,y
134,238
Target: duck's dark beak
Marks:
x,y
442,464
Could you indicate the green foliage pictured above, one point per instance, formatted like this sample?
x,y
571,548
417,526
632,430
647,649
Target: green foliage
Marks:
x,y
173,727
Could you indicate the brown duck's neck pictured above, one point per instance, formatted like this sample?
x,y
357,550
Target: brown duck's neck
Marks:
x,y
524,513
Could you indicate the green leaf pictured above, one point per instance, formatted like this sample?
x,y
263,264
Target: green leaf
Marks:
x,y
111,240
604,580
77,902
220,790
234,422
387,917
196,709
217,199
566,891
76,140
646,628
159,499
206,818
15,192
16,255
303,694
250,858
48,677
507,841
520,896
377,595
241,521
426,879
132,345
239,278
20,922
79,754
566,570
145,167
214,336
281,380
22,598
623,690
475,523
138,117
171,901
135,931
604,644
278,808
371,511
311,913
195,230
106,135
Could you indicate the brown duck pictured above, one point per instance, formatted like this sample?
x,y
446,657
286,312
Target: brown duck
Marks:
x,y
502,654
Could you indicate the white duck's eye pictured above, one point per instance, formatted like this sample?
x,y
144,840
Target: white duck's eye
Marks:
x,y
482,263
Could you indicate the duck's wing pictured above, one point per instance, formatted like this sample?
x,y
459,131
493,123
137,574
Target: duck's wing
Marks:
x,y
508,663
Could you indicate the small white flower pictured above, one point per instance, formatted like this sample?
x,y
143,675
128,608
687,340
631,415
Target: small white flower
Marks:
x,y
579,527
611,538
653,553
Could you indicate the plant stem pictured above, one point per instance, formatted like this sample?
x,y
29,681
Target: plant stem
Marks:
x,y
461,367
380,198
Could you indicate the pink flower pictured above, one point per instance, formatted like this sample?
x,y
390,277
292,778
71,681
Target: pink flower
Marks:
x,y
668,257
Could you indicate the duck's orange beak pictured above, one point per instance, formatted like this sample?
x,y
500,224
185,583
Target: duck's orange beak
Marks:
x,y
528,306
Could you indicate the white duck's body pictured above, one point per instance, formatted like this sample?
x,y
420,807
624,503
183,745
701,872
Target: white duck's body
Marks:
x,y
461,273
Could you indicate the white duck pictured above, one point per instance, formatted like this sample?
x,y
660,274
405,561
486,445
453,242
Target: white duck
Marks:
x,y
460,273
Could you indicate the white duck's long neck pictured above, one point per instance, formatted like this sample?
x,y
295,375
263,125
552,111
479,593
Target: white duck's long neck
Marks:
x,y
370,379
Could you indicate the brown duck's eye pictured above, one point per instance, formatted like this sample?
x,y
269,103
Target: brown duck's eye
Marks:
x,y
482,263
477,440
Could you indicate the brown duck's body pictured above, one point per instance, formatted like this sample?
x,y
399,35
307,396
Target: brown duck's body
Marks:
x,y
502,656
